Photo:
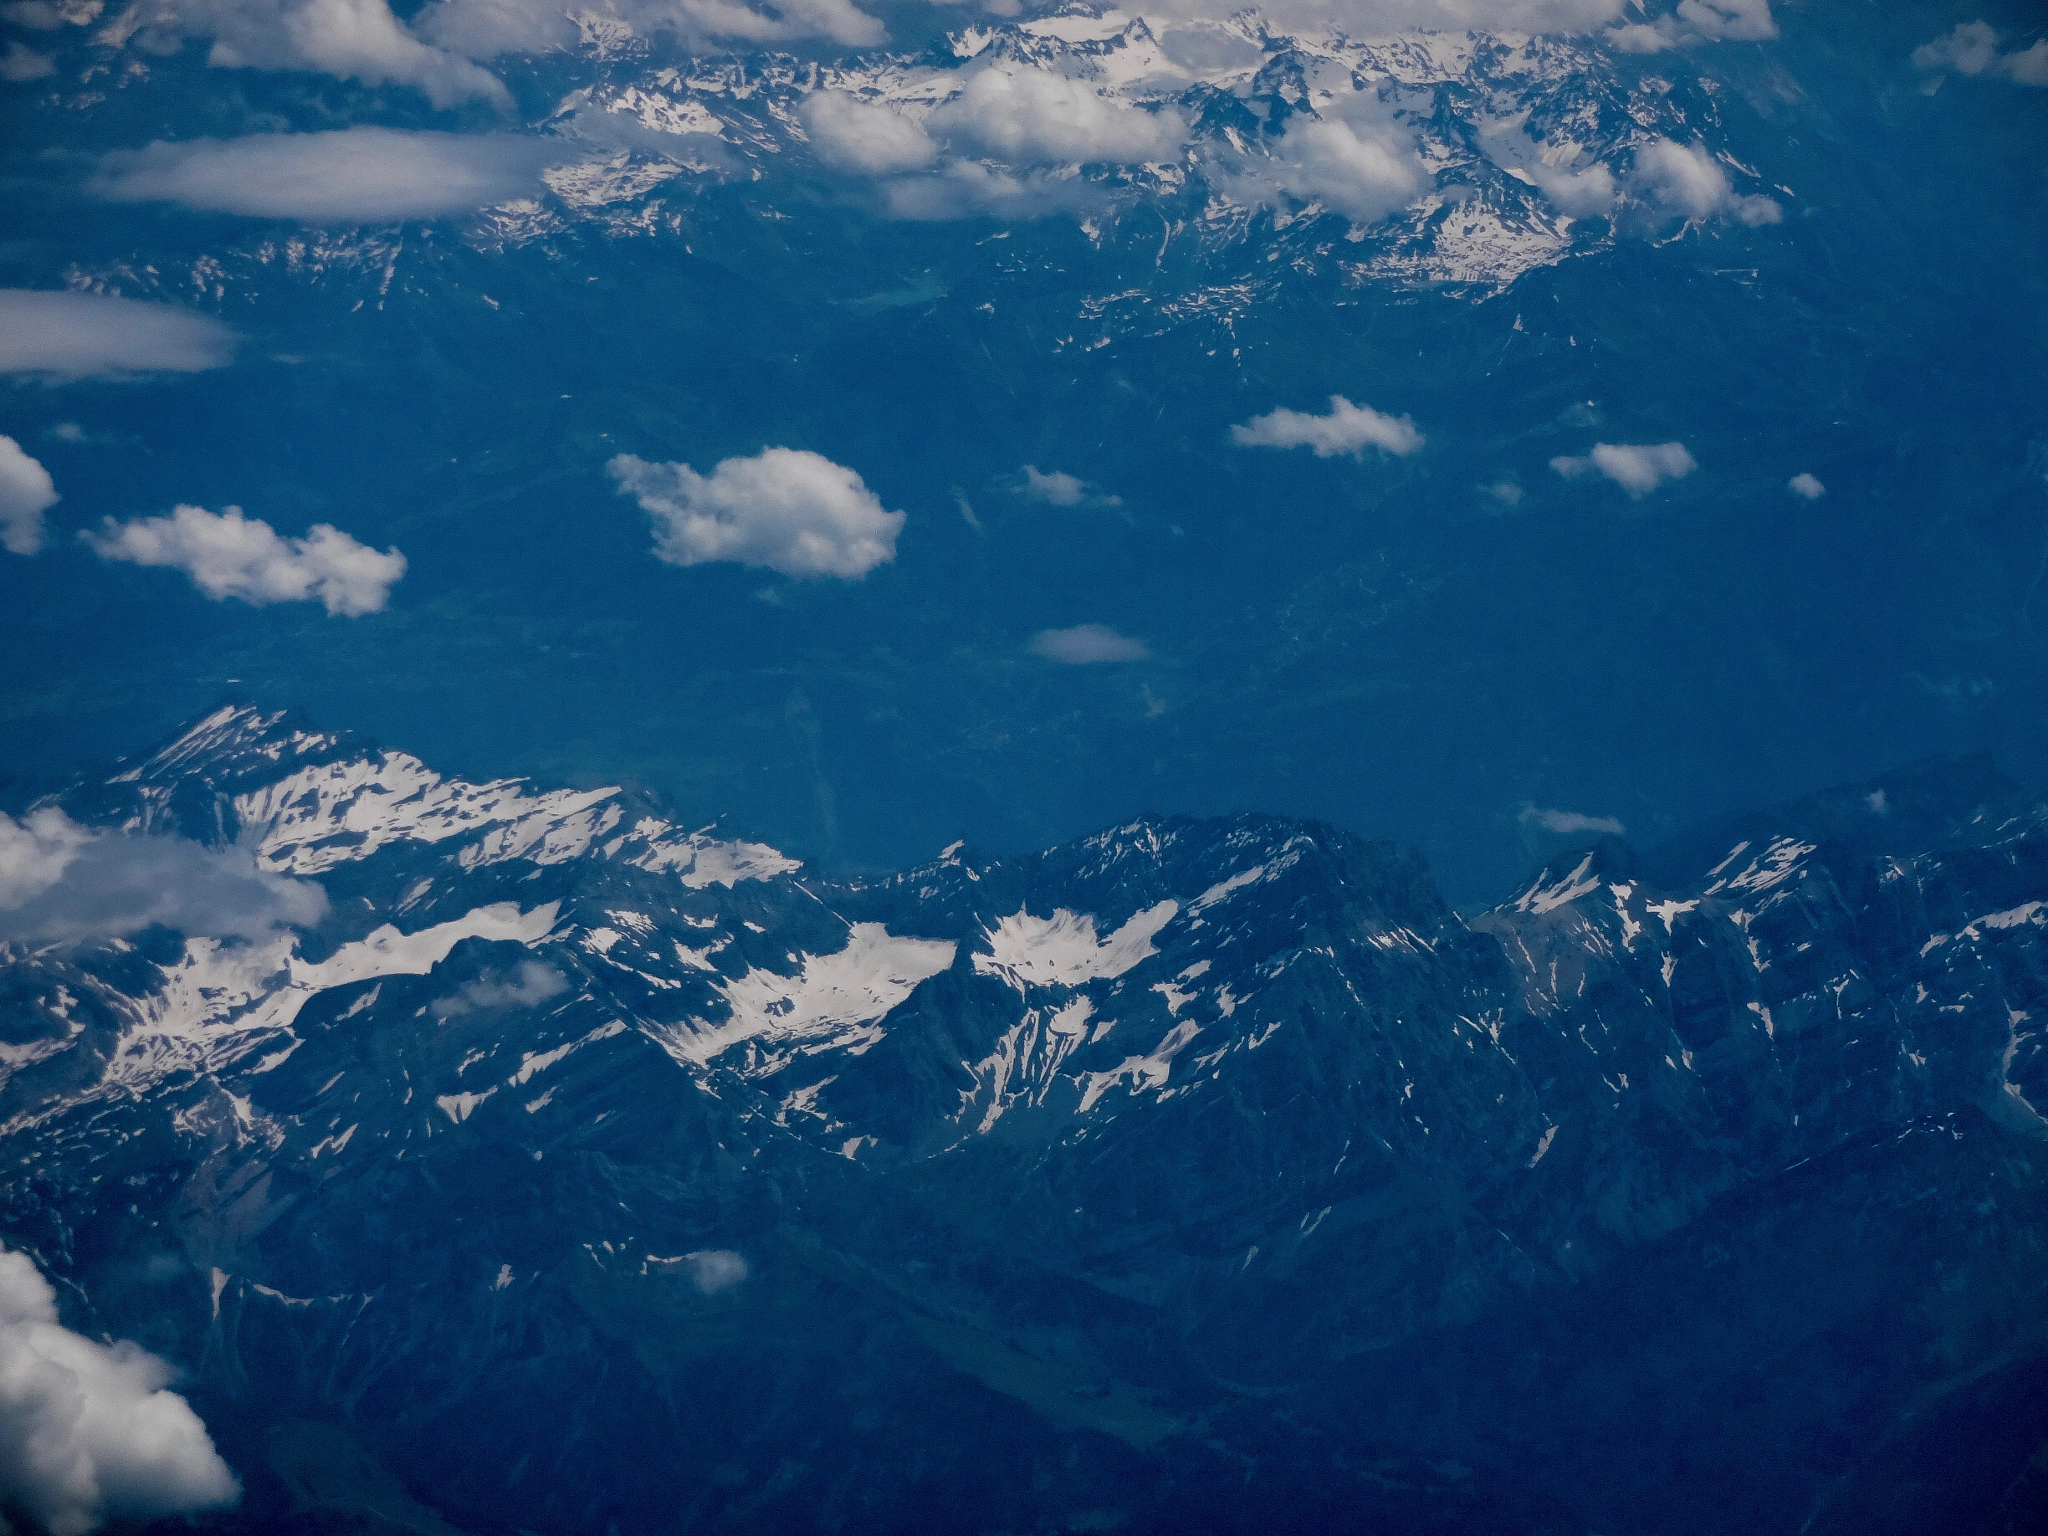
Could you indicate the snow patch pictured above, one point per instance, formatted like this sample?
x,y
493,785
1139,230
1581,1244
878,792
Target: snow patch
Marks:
x,y
1542,899
1063,951
833,1002
1141,1072
458,1107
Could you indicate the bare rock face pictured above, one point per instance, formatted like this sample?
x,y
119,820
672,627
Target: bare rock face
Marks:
x,y
579,1171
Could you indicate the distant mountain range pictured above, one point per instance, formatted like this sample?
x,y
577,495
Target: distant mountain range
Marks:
x,y
581,1172
1475,158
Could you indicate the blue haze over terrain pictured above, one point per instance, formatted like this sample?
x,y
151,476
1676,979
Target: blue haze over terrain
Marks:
x,y
1373,641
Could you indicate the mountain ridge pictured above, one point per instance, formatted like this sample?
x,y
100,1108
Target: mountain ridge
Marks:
x,y
1152,1151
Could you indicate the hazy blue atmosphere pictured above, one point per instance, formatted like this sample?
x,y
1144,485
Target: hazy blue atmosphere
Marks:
x,y
1433,476
1372,639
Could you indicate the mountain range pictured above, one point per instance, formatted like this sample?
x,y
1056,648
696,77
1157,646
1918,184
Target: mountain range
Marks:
x,y
571,1170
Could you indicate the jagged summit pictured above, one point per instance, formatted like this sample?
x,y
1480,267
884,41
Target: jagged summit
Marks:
x,y
1940,802
306,801
1129,1144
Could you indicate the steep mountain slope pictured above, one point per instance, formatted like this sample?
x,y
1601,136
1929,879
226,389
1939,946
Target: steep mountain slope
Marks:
x,y
1193,1175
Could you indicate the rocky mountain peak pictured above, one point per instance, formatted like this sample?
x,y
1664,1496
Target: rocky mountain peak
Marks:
x,y
1118,1135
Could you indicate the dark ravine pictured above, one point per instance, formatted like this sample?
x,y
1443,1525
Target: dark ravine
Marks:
x,y
582,1174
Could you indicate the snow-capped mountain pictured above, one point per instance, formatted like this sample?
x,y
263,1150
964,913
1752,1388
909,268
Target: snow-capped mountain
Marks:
x,y
1211,163
1505,130
1173,1152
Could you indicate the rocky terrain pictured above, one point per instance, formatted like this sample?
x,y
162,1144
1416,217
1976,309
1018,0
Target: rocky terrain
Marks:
x,y
579,1171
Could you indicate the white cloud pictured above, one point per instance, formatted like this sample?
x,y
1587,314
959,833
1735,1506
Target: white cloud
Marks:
x,y
482,29
1363,169
1035,117
1032,127
1643,37
1590,190
1697,21
532,985
1379,18
1062,490
1552,820
25,490
960,188
1059,489
1086,643
347,175
857,135
60,336
787,509
50,15
35,852
1972,49
60,881
1347,428
1584,191
228,555
1806,486
1675,180
1638,468
349,39
1507,492
1578,193
87,1430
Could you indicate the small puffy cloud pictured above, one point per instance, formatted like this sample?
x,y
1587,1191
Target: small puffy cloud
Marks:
x,y
1579,193
1642,37
61,881
1806,486
1059,489
528,987
1086,643
1638,468
1972,49
1507,493
1674,180
89,1430
1697,21
229,555
25,490
1362,169
60,336
349,175
1347,428
349,39
787,509
1062,490
862,136
1568,822
1035,117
